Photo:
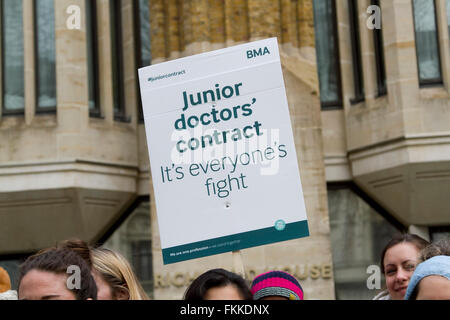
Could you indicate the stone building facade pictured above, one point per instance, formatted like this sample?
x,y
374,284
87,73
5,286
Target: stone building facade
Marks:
x,y
369,108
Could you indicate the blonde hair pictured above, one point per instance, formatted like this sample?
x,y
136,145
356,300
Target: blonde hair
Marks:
x,y
112,267
117,272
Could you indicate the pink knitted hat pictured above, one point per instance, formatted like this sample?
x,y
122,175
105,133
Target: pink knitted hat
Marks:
x,y
276,283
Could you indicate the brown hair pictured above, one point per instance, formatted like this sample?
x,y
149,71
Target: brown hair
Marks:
x,y
111,266
417,241
438,248
58,260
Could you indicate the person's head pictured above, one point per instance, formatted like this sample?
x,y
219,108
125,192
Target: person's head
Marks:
x,y
398,261
438,248
276,285
111,271
116,271
45,276
431,280
218,284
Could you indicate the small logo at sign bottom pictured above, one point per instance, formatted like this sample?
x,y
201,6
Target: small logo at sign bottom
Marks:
x,y
280,225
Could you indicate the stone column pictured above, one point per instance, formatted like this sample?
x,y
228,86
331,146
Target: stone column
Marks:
x,y
71,82
29,63
401,61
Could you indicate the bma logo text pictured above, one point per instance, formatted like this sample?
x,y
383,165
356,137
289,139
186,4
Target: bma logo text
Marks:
x,y
257,53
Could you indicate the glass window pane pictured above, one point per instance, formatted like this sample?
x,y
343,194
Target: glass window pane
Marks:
x,y
144,19
327,51
116,57
356,52
143,46
426,41
440,233
133,240
142,259
448,16
13,58
91,36
358,234
45,36
379,57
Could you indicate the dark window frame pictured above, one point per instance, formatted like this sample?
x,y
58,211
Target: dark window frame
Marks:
x,y
38,110
4,111
117,64
358,76
338,104
92,7
436,82
380,65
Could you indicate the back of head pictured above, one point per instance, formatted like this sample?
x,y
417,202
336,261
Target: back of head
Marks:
x,y
58,261
216,278
438,265
276,284
118,273
413,239
5,281
439,248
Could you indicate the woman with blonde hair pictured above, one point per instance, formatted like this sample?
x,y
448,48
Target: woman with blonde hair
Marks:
x,y
112,273
118,274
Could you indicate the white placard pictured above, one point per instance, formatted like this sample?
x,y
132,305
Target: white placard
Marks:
x,y
222,153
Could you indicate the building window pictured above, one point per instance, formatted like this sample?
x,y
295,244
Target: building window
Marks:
x,y
142,261
45,56
143,44
358,82
92,58
358,232
379,57
427,46
327,49
117,59
131,236
13,98
143,33
440,233
448,16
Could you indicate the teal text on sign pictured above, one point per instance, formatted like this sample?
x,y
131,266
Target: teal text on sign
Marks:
x,y
256,53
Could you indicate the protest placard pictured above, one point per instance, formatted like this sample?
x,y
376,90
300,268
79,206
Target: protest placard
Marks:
x,y
222,153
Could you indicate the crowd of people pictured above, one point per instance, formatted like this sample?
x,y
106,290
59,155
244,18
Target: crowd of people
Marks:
x,y
73,270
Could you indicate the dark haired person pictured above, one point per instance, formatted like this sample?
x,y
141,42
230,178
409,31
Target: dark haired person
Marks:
x,y
45,275
218,284
398,260
431,279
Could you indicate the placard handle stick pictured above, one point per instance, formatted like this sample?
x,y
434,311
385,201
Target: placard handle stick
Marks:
x,y
238,263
